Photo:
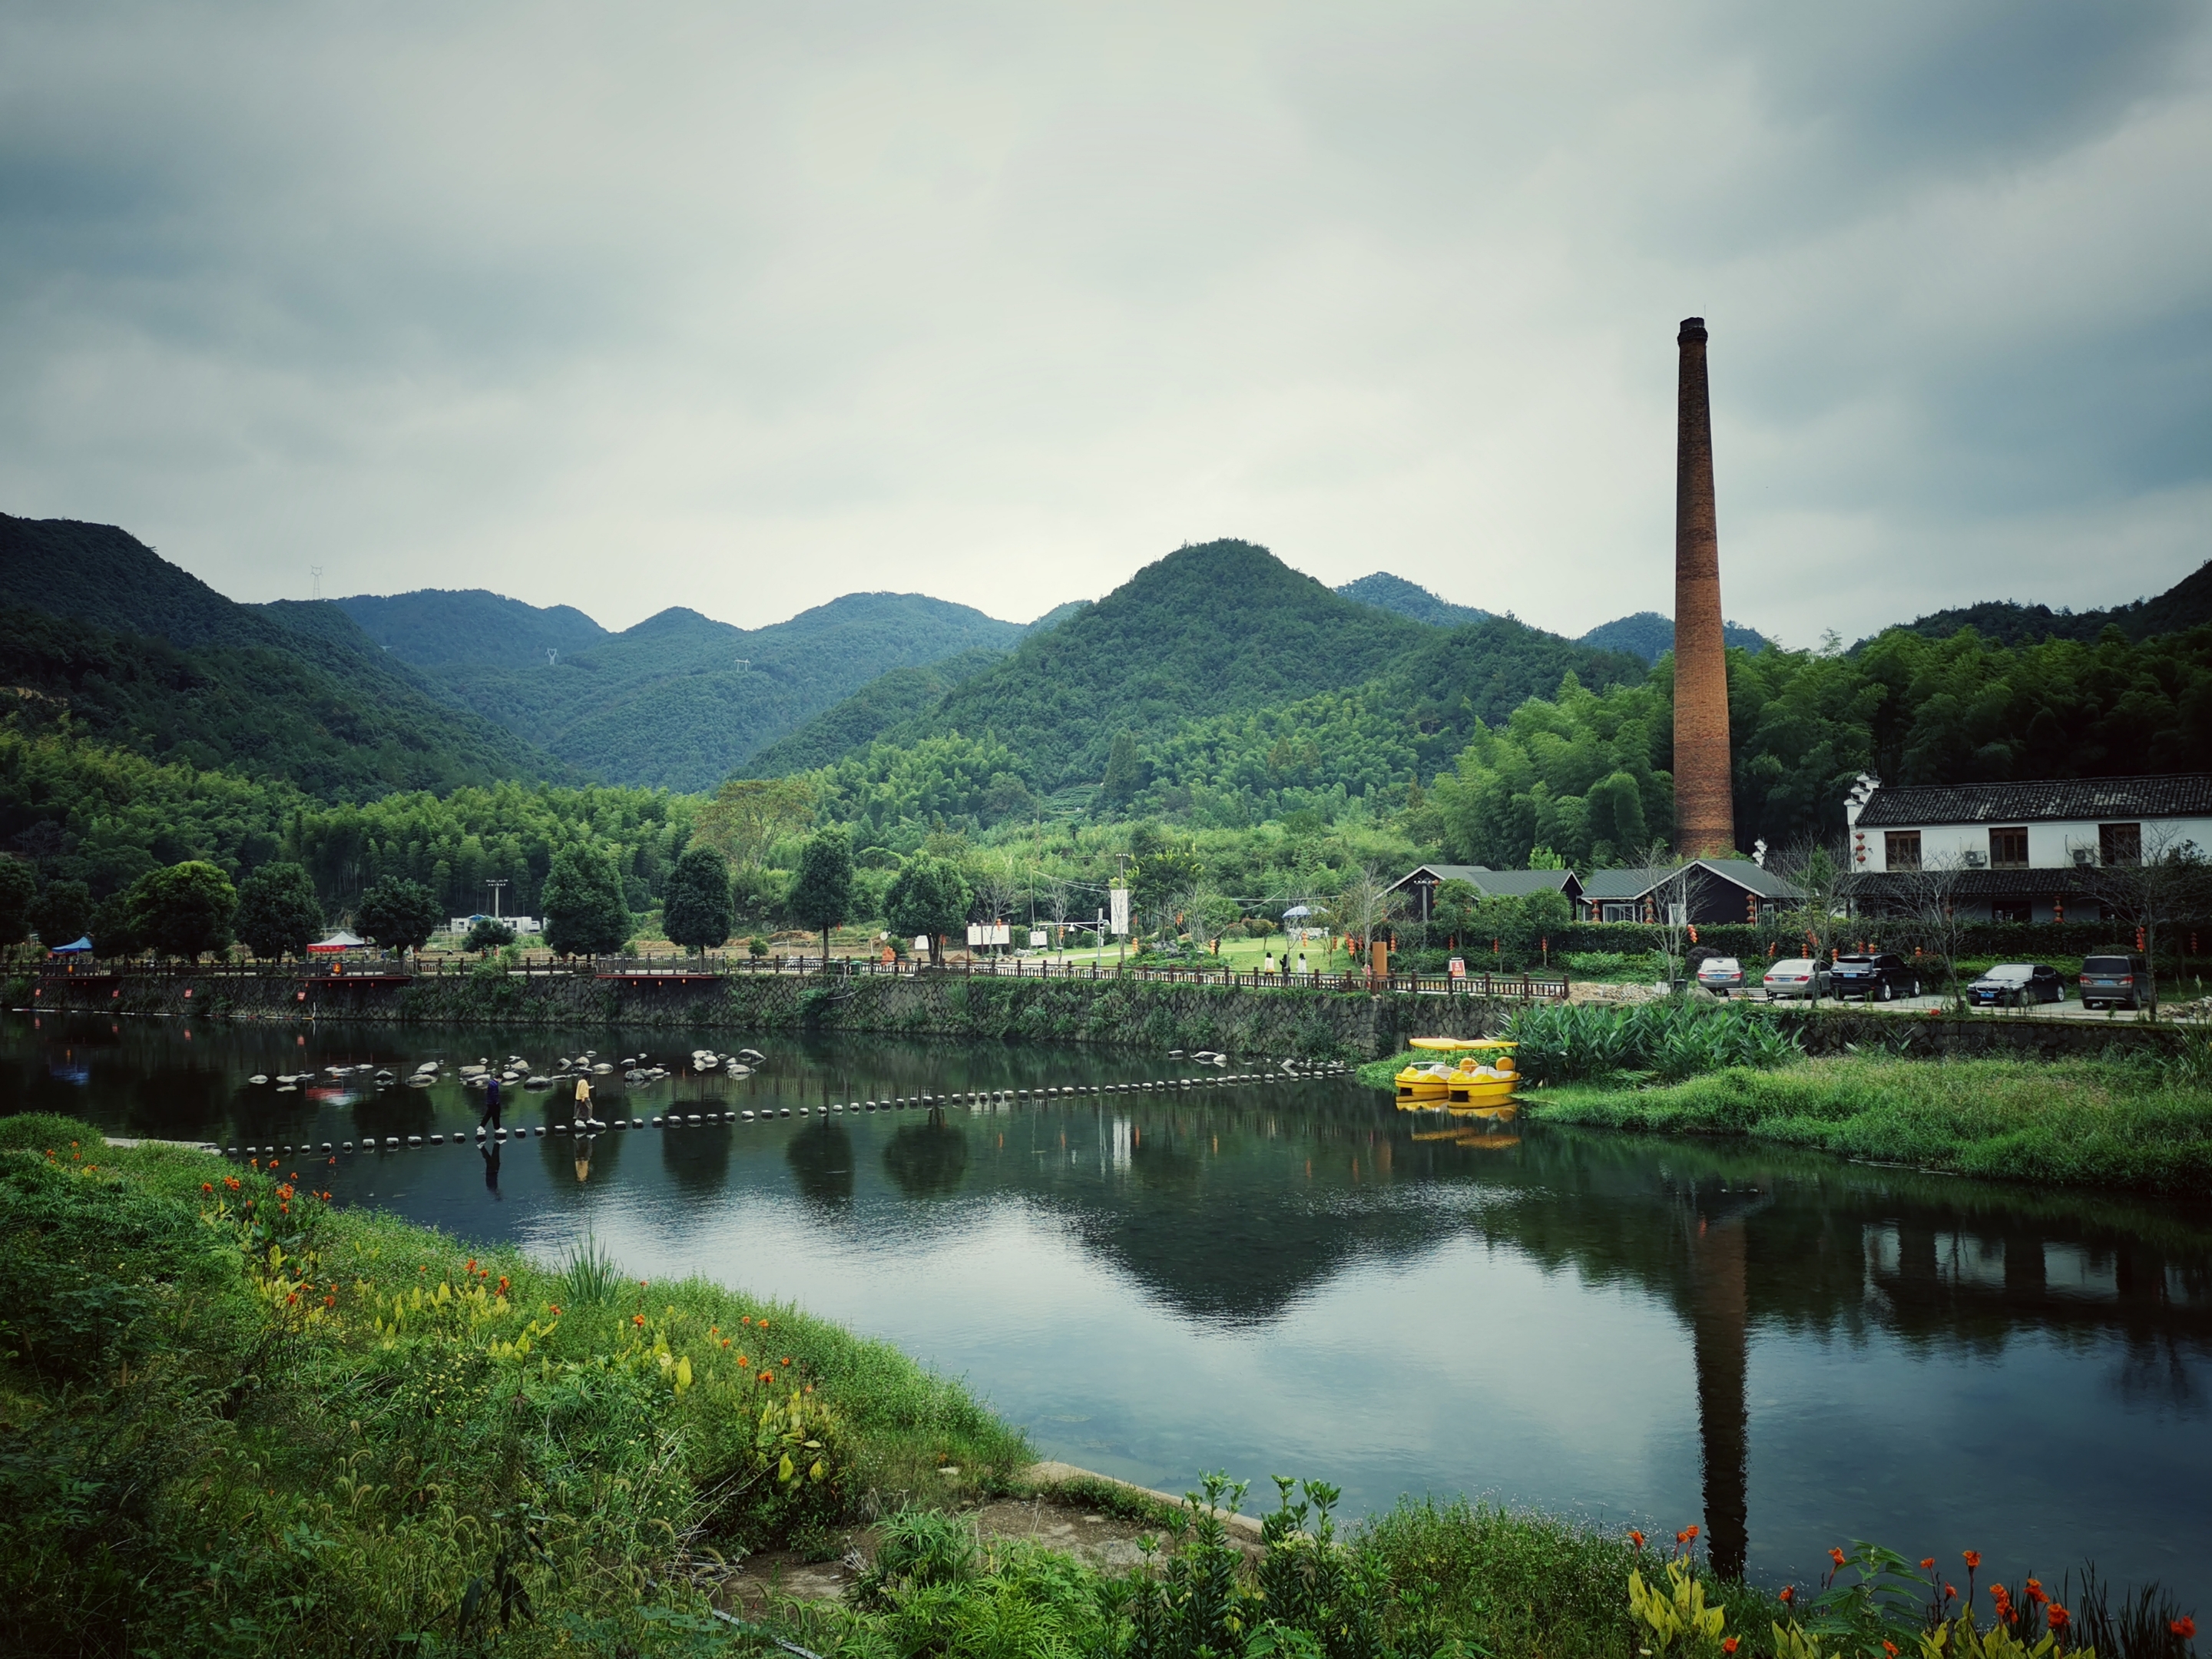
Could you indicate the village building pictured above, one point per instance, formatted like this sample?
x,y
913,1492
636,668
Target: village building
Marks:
x,y
1705,892
2017,851
1420,884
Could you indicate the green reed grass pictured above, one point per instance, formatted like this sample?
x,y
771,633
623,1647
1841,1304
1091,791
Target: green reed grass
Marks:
x,y
2134,1124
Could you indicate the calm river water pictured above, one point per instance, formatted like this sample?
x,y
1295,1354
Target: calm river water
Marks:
x,y
1296,1277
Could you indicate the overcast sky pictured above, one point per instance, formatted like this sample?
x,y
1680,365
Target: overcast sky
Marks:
x,y
743,307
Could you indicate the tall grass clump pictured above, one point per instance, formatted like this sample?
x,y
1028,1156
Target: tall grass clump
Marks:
x,y
1564,1042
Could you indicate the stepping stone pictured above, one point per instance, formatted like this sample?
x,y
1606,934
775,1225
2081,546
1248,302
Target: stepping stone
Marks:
x,y
414,1140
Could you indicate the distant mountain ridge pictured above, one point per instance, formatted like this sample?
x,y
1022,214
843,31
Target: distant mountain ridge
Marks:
x,y
1650,635
2187,604
1388,593
678,701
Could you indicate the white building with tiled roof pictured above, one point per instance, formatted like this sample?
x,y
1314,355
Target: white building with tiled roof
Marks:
x,y
2018,847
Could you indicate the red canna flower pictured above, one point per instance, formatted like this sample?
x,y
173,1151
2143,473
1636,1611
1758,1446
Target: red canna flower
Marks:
x,y
1636,1538
1788,1595
1727,1644
2035,1592
473,1264
207,1186
2185,1627
553,1308
1889,1648
1836,1556
1973,1557
1928,1563
638,1320
1689,1532
786,1360
2060,1619
1950,1592
502,1283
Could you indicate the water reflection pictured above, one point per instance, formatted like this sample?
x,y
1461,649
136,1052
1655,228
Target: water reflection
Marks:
x,y
1790,1349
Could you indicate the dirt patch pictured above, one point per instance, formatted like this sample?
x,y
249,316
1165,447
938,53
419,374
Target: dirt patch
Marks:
x,y
1101,1539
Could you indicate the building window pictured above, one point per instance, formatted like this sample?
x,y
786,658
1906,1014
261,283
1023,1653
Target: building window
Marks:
x,y
2012,910
2009,849
1903,851
2119,843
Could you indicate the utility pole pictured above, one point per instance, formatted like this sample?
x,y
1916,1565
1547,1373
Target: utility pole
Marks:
x,y
495,887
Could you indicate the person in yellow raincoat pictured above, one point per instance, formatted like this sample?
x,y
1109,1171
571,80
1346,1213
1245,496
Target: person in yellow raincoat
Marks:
x,y
583,1113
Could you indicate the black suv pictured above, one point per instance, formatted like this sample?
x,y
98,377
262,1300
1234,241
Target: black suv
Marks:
x,y
1876,978
2114,981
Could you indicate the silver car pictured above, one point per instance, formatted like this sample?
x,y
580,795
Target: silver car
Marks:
x,y
1796,976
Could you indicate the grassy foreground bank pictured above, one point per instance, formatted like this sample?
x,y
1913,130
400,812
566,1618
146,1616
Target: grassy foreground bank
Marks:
x,y
234,1420
2138,1124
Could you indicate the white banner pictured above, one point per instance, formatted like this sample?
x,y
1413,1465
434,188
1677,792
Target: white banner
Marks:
x,y
1118,897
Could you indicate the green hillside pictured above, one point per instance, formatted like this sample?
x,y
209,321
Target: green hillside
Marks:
x,y
890,700
433,627
130,648
1388,593
1208,629
682,700
1293,698
2187,605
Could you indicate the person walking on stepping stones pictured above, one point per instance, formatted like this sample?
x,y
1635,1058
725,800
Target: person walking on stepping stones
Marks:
x,y
583,1114
491,1105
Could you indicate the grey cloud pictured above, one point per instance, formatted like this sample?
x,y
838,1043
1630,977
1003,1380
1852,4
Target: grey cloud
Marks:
x,y
743,307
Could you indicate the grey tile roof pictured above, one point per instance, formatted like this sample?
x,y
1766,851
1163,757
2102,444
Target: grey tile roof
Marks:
x,y
1496,883
2180,794
1752,878
1618,884
1905,885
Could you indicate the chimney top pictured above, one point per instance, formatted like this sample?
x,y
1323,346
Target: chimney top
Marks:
x,y
1693,328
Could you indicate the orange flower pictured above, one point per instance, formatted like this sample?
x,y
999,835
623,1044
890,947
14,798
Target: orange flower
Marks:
x,y
553,1308
1973,1558
1636,1538
1950,1592
1727,1644
786,1360
725,1341
742,1360
2060,1619
1889,1648
2035,1591
502,1283
207,1186
1788,1595
744,1319
473,1264
1836,1556
2185,1627
638,1320
1928,1563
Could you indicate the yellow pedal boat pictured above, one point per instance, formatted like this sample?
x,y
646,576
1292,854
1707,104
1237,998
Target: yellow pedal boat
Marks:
x,y
1424,1085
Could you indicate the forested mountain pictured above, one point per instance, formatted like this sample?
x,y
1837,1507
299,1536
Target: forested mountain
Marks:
x,y
682,700
126,645
1650,636
1388,593
434,627
890,700
2187,604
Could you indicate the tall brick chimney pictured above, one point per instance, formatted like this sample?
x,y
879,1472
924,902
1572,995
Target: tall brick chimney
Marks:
x,y
1705,808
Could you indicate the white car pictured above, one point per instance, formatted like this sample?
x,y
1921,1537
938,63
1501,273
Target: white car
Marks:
x,y
1796,976
1722,976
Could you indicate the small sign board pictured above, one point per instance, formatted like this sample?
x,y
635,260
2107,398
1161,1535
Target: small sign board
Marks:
x,y
1458,967
1119,899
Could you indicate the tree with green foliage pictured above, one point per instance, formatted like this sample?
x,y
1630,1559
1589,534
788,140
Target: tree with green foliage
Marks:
x,y
278,914
63,914
19,890
1118,786
397,914
584,914
184,910
930,898
488,933
695,910
822,898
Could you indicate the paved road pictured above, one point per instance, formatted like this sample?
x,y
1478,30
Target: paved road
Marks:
x,y
2069,1009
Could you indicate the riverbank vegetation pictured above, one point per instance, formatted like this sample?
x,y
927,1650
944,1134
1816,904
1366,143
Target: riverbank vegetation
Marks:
x,y
236,1420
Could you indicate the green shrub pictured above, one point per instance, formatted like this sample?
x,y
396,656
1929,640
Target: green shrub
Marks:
x,y
1562,1041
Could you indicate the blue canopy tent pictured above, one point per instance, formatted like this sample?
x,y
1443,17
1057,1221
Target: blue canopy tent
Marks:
x,y
82,947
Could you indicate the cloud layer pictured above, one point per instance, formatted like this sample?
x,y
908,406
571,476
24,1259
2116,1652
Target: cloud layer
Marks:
x,y
745,308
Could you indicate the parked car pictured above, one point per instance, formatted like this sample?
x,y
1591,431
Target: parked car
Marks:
x,y
2009,984
2114,981
1796,976
1877,977
1721,974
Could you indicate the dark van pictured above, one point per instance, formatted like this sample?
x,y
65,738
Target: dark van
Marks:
x,y
2114,981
